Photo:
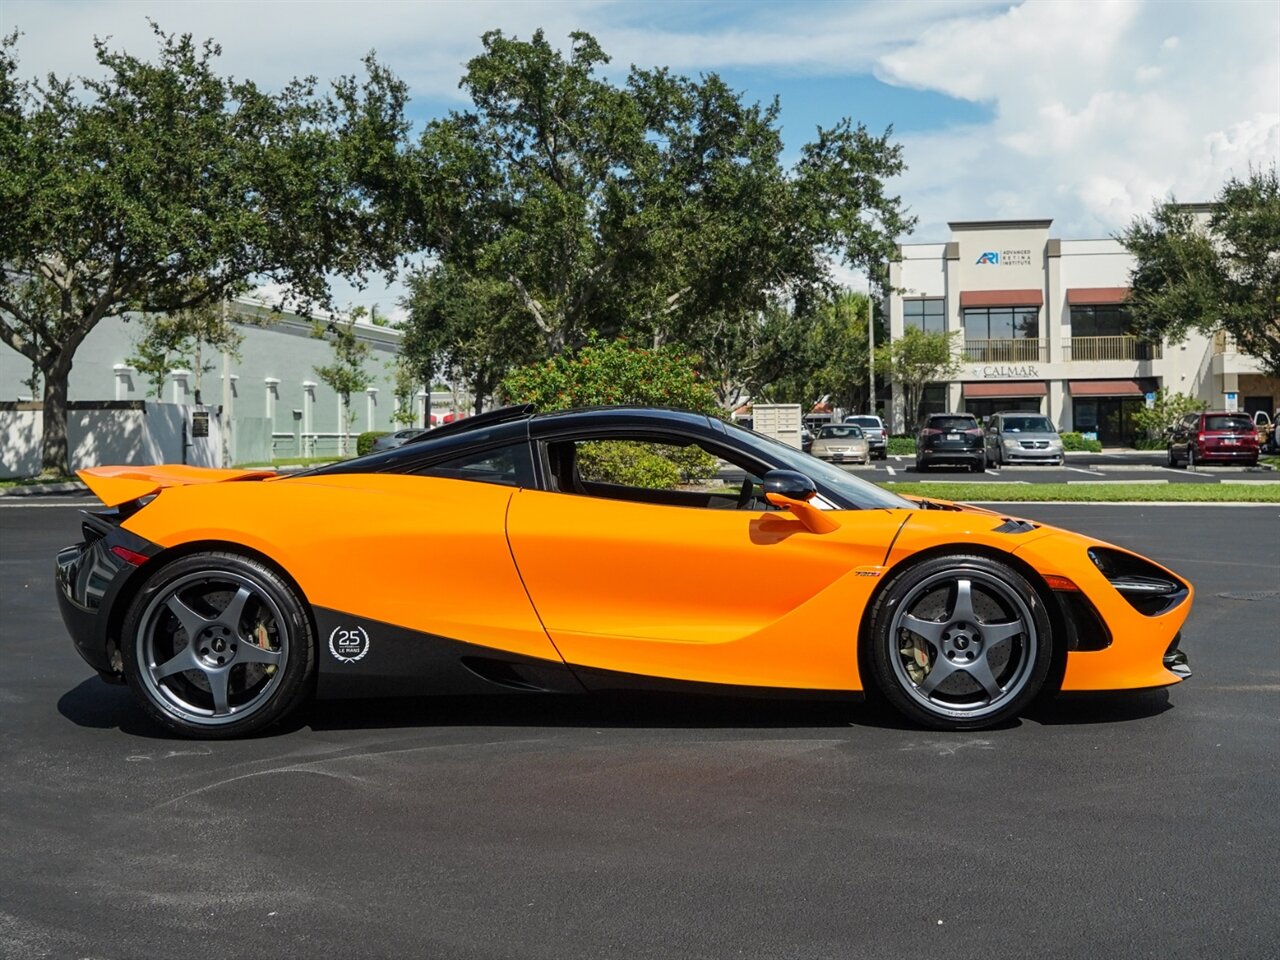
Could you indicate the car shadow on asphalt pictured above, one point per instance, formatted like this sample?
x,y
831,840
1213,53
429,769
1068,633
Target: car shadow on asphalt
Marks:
x,y
1078,709
94,703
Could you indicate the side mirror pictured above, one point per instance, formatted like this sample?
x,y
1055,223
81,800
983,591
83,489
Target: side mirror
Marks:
x,y
789,484
793,490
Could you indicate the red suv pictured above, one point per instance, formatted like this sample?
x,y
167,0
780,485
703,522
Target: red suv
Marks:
x,y
1214,437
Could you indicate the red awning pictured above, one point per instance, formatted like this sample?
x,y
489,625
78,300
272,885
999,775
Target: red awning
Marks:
x,y
1001,298
1105,388
1004,390
1097,295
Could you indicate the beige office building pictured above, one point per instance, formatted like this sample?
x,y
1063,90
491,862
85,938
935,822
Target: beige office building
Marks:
x,y
1043,327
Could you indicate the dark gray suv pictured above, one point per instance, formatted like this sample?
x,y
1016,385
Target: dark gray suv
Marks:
x,y
951,438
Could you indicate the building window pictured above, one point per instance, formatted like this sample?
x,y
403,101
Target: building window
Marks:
x,y
1104,331
1002,323
1002,335
927,315
1101,320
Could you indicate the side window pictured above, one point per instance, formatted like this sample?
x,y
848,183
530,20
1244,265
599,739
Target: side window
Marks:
x,y
510,466
651,471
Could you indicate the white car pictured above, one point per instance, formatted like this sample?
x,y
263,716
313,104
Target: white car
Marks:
x,y
841,443
873,428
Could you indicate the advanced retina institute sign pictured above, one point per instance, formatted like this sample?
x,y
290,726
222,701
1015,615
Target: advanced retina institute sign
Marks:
x,y
1005,258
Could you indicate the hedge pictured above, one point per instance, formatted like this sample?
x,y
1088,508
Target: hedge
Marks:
x,y
1075,442
364,442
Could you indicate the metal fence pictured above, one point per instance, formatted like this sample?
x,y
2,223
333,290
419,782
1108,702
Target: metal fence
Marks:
x,y
1111,348
1013,350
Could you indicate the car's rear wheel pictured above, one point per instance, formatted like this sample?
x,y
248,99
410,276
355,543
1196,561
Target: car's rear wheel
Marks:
x,y
960,642
218,645
1171,460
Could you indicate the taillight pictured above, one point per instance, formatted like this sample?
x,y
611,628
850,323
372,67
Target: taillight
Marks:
x,y
974,432
131,557
930,432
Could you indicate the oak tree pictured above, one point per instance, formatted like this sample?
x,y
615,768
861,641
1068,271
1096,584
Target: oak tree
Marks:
x,y
160,186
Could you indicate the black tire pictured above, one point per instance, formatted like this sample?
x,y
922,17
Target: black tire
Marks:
x,y
979,466
962,698
211,668
1191,456
1172,461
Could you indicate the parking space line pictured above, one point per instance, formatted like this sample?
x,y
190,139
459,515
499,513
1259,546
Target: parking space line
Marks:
x,y
1092,473
892,472
1116,483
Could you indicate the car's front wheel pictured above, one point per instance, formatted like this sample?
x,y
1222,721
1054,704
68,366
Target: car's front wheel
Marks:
x,y
217,645
959,642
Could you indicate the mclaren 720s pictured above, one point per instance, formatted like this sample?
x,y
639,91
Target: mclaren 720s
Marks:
x,y
500,554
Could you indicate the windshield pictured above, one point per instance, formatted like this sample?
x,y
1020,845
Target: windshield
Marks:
x,y
853,491
848,432
1028,425
873,422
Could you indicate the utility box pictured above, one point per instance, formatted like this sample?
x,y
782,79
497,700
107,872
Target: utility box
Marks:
x,y
781,421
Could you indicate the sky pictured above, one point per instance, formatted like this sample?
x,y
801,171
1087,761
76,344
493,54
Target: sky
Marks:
x,y
1082,112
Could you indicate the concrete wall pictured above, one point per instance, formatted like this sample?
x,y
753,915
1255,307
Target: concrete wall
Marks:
x,y
110,434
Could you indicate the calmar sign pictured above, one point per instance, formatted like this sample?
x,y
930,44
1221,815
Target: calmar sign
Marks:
x,y
1010,372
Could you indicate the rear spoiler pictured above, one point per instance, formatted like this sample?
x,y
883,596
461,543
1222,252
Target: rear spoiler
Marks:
x,y
117,485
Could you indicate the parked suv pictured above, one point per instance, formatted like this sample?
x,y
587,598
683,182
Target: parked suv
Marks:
x,y
1015,437
873,429
953,438
1214,437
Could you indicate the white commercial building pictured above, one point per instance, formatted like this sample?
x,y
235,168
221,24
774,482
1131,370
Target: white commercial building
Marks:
x,y
270,393
1043,327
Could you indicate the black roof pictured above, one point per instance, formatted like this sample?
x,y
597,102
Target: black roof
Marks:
x,y
508,424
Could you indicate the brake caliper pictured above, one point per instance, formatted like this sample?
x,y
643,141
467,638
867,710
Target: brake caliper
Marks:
x,y
917,653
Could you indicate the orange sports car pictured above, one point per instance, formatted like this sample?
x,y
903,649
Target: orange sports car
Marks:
x,y
498,553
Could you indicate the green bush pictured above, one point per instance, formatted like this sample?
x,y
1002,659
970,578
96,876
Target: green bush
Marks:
x,y
901,446
1075,442
364,442
1168,409
613,372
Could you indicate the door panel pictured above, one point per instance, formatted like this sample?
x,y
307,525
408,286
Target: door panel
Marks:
x,y
722,596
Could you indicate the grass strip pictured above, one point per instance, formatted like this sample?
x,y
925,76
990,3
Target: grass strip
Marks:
x,y
1093,492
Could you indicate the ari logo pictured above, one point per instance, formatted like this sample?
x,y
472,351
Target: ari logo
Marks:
x,y
349,645
989,257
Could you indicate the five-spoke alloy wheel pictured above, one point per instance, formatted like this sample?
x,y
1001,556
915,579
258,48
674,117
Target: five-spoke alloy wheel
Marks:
x,y
217,645
960,642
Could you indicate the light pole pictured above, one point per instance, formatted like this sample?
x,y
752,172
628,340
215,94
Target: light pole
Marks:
x,y
871,354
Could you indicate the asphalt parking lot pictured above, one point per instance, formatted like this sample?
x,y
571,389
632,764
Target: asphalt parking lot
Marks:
x,y
1135,825
1079,468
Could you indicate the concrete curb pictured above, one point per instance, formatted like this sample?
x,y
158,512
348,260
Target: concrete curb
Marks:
x,y
45,489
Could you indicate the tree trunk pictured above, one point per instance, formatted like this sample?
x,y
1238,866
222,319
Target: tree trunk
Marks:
x,y
54,454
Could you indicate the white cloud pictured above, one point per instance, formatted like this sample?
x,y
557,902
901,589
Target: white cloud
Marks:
x,y
1078,133
1096,109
